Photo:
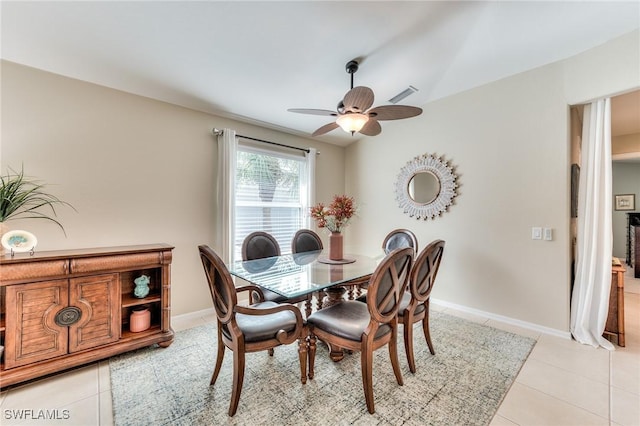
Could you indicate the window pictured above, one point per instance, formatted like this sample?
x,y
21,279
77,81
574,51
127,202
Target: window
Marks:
x,y
271,195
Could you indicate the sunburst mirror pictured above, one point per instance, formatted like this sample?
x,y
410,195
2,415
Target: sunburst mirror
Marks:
x,y
426,187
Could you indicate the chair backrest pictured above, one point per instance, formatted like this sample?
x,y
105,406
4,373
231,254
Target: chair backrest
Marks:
x,y
387,284
399,238
425,269
221,286
305,240
259,245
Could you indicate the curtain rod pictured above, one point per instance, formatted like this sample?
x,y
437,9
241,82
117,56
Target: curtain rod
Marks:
x,y
219,132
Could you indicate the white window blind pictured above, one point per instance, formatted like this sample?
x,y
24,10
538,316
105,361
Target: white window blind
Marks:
x,y
271,194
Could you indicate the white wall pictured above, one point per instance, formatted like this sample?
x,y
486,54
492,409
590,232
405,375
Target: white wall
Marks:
x,y
509,144
137,170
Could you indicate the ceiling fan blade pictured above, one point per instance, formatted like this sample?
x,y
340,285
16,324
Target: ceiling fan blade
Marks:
x,y
371,128
358,99
394,112
325,129
313,111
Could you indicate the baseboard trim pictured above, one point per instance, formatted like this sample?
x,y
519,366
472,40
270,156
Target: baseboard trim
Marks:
x,y
507,320
194,315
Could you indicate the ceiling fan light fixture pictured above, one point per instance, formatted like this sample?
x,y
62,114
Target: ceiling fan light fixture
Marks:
x,y
354,112
352,122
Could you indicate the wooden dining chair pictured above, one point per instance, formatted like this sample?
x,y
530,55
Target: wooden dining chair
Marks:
x,y
400,238
260,245
414,306
366,327
305,240
252,328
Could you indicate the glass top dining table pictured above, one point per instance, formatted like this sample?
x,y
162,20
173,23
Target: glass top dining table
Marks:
x,y
292,275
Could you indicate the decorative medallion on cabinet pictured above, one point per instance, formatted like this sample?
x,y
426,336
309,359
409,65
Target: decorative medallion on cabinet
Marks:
x,y
61,309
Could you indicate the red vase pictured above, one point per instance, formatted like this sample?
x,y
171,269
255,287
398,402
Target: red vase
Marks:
x,y
335,246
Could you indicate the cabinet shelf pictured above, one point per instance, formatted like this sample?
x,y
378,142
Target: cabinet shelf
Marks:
x,y
130,301
126,334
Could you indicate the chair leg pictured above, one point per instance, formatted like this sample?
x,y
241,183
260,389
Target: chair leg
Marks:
x,y
311,354
302,354
407,323
219,357
238,378
393,354
425,329
366,360
270,350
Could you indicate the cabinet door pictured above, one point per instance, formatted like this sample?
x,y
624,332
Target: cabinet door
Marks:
x,y
31,311
98,297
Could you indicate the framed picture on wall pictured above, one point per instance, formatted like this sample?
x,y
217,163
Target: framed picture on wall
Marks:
x,y
575,180
625,202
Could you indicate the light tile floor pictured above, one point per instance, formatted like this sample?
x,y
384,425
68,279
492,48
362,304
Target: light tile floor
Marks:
x,y
561,383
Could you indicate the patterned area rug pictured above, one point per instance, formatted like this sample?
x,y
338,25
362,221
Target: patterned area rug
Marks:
x,y
463,384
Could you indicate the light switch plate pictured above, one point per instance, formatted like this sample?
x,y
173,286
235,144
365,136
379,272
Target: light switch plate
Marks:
x,y
548,234
536,233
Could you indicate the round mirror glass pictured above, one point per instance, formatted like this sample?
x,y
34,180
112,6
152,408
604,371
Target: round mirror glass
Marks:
x,y
424,187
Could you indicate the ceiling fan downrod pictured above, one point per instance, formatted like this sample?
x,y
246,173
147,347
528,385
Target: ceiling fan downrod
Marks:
x,y
352,67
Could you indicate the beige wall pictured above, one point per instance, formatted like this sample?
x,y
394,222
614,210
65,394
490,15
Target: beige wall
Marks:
x,y
509,144
625,144
137,170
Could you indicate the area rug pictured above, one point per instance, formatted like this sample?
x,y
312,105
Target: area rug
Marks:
x,y
463,384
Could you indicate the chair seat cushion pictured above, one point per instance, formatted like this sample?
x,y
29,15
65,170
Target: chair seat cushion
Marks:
x,y
272,296
264,327
347,319
404,303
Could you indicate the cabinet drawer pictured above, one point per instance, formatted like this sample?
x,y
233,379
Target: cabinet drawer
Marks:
x,y
110,263
33,270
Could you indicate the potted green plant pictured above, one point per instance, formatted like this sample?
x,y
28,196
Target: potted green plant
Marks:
x,y
23,197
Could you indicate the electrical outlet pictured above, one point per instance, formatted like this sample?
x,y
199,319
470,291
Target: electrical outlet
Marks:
x,y
536,233
548,234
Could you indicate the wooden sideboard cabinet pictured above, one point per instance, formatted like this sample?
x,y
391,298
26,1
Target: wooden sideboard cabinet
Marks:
x,y
615,319
62,309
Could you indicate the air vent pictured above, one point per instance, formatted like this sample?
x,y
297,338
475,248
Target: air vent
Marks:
x,y
400,96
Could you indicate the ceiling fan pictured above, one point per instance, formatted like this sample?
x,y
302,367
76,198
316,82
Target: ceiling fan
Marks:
x,y
354,112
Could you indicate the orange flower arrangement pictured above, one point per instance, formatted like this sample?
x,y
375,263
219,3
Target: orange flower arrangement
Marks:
x,y
335,216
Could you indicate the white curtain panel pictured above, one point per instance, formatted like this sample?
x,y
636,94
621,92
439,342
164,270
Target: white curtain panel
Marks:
x,y
227,146
311,183
590,299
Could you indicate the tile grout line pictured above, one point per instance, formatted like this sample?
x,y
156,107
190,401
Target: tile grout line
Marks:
x,y
564,401
610,387
608,382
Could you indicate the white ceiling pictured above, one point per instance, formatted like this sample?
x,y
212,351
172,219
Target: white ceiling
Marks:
x,y
253,60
